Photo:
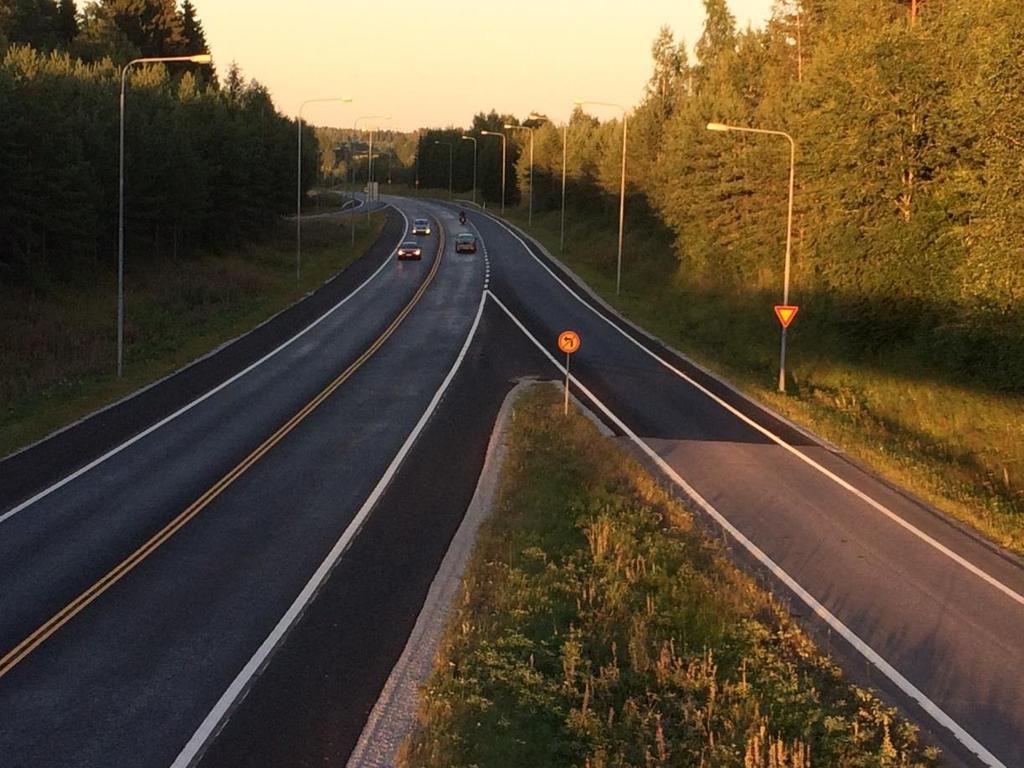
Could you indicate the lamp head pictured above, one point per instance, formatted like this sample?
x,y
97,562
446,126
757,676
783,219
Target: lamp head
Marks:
x,y
718,127
201,58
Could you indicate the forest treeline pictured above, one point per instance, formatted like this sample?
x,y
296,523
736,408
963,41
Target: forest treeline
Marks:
x,y
207,163
909,225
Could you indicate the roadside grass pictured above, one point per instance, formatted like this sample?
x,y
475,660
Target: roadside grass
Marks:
x,y
958,447
58,351
598,626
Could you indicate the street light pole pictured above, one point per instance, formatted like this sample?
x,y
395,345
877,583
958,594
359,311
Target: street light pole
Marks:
x,y
789,228
298,181
199,58
504,141
565,144
473,139
622,185
508,126
369,167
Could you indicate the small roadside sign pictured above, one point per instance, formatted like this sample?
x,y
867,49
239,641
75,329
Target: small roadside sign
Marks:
x,y
786,313
568,341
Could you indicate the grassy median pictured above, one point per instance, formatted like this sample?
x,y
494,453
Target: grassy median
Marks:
x,y
58,349
597,626
954,443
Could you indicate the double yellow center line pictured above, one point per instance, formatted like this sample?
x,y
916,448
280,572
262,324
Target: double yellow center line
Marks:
x,y
76,606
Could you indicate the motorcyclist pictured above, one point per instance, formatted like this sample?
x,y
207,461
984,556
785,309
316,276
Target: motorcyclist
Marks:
x,y
462,217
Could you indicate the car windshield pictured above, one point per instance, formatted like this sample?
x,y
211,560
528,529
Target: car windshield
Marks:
x,y
464,236
421,222
410,244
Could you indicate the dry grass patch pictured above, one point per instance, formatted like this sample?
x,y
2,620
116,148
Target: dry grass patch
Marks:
x,y
598,627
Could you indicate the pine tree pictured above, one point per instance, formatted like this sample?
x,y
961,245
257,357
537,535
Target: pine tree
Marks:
x,y
66,23
152,26
192,34
30,22
718,38
194,41
670,65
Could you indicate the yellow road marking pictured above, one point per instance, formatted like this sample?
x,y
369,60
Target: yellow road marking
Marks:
x,y
77,605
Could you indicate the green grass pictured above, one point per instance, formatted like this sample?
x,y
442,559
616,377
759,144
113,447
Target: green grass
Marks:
x,y
58,352
597,626
959,446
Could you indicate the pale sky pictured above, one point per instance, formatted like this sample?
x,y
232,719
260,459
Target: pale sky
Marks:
x,y
437,63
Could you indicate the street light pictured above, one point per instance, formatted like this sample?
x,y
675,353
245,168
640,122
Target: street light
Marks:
x,y
504,141
298,180
508,126
355,127
622,184
473,139
789,228
450,146
199,58
565,145
369,167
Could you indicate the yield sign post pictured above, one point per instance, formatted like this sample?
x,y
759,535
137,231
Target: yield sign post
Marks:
x,y
785,312
568,342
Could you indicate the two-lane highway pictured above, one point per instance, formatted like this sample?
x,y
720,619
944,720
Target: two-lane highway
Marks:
x,y
134,594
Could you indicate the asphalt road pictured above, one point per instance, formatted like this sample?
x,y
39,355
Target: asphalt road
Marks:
x,y
128,678
287,568
942,610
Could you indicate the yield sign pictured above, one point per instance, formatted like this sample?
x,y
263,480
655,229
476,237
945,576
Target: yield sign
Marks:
x,y
786,313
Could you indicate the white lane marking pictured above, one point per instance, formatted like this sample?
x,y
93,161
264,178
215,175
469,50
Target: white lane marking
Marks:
x,y
213,722
878,506
847,634
184,409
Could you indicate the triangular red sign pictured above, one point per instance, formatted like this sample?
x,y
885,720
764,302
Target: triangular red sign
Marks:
x,y
786,313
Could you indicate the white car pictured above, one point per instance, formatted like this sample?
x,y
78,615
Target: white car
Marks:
x,y
421,227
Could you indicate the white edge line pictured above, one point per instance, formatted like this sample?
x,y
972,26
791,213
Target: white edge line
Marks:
x,y
184,409
878,506
845,632
579,285
213,721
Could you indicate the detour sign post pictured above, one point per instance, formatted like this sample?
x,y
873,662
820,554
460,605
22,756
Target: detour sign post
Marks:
x,y
568,342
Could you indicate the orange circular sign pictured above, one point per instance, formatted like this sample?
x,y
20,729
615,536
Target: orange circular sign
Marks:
x,y
568,341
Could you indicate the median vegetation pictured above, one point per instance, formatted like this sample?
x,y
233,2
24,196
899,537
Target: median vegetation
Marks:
x,y
597,626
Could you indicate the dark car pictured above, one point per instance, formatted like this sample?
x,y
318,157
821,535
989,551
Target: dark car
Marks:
x,y
465,242
410,249
420,227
